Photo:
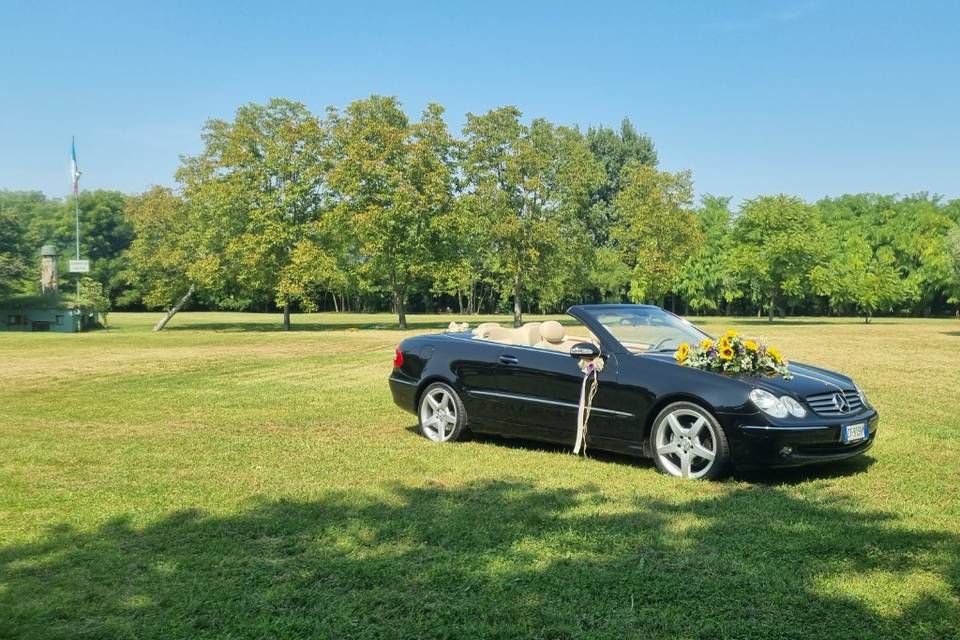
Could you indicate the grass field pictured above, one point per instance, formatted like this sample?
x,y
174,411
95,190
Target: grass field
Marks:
x,y
225,479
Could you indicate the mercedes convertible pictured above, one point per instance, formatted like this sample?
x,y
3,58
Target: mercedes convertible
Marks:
x,y
526,382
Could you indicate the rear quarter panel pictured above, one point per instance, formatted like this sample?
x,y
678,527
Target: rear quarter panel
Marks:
x,y
457,360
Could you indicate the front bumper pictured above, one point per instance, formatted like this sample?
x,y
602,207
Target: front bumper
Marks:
x,y
758,441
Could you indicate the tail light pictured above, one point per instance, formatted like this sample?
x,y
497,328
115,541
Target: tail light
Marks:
x,y
398,359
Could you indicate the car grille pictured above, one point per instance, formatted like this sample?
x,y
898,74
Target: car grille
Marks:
x,y
825,404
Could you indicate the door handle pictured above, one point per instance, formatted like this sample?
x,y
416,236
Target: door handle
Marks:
x,y
509,360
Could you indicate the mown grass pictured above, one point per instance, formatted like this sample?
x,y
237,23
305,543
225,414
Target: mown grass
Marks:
x,y
225,479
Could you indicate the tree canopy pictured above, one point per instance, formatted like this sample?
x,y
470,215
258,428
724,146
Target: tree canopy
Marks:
x,y
366,208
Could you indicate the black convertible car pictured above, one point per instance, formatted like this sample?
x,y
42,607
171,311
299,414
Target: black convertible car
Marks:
x,y
524,383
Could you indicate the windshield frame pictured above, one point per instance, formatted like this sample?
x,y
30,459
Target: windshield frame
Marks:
x,y
589,315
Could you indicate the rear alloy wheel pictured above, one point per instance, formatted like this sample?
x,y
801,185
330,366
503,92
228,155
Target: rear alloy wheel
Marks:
x,y
442,415
688,442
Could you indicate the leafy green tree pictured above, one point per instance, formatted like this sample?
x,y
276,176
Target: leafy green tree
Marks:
x,y
92,295
390,179
776,242
856,274
104,236
609,275
35,214
104,232
14,252
260,180
175,252
654,228
705,278
533,183
615,150
953,251
464,250
912,227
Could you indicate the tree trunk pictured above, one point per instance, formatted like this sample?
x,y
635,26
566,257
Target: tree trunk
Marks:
x,y
773,300
172,311
286,315
401,308
517,312
336,308
460,300
472,299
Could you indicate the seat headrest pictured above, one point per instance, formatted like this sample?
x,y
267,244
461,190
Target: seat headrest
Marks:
x,y
483,329
552,331
529,334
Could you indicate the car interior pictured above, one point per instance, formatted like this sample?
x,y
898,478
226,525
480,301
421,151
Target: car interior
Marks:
x,y
542,335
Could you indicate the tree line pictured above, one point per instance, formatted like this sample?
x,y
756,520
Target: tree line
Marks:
x,y
365,209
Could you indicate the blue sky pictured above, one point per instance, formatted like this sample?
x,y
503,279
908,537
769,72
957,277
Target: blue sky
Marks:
x,y
808,98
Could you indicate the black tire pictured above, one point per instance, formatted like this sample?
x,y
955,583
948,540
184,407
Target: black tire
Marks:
x,y
441,415
681,437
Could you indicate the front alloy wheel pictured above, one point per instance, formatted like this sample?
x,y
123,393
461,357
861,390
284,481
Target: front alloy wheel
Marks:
x,y
688,442
442,415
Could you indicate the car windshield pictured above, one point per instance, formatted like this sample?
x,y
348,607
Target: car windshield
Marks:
x,y
647,329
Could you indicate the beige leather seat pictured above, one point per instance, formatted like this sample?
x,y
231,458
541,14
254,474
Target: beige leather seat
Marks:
x,y
493,332
543,335
483,329
526,335
553,337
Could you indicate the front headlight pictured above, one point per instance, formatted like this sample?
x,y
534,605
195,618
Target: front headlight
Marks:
x,y
768,403
795,408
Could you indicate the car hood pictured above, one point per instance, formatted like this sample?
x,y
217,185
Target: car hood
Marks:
x,y
807,380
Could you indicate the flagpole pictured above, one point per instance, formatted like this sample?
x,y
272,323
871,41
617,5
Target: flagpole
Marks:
x,y
76,205
76,208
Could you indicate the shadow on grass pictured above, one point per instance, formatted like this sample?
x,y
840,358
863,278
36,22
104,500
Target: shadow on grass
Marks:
x,y
797,475
495,560
768,477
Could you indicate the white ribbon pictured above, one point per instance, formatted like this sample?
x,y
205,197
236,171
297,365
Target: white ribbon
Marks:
x,y
589,368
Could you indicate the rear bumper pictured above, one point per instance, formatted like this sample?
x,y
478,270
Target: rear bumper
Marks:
x,y
404,391
756,442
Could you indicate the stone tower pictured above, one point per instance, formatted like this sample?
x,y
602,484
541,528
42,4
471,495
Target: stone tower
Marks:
x,y
48,269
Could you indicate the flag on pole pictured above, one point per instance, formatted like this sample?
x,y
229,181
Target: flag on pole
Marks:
x,y
74,168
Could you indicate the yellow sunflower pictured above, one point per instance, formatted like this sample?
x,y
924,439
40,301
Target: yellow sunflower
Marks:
x,y
726,353
723,343
772,351
707,344
751,345
682,352
730,334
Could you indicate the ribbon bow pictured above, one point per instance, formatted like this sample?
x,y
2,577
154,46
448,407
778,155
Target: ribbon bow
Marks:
x,y
590,370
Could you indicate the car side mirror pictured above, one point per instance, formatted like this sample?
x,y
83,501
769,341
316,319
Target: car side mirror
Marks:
x,y
585,351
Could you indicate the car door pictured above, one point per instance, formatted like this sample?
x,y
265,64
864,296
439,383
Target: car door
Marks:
x,y
540,393
475,367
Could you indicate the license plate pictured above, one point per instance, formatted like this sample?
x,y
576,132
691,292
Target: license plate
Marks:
x,y
854,432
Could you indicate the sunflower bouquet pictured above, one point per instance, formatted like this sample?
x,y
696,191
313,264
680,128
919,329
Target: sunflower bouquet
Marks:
x,y
733,353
